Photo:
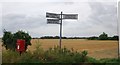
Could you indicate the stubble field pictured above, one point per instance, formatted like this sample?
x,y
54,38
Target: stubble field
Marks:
x,y
96,48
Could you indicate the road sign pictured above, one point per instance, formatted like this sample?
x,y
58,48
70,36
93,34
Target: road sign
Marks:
x,y
70,16
57,19
53,21
52,15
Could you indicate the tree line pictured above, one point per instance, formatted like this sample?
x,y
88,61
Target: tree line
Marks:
x,y
57,37
102,36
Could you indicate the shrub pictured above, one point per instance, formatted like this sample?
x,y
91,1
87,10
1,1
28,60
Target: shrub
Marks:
x,y
63,55
9,40
108,60
24,36
92,60
9,56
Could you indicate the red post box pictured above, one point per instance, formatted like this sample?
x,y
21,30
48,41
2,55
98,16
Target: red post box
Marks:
x,y
20,45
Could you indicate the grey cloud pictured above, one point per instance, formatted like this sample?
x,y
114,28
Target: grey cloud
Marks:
x,y
15,16
100,11
104,15
15,22
103,18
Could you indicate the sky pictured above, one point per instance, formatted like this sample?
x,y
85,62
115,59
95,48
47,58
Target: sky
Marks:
x,y
94,17
58,0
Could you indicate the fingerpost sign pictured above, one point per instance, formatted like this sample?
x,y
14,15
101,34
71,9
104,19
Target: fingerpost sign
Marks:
x,y
57,19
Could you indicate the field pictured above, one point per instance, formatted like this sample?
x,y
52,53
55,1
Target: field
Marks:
x,y
96,48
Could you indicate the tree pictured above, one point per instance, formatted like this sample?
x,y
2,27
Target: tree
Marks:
x,y
103,36
115,38
9,39
24,36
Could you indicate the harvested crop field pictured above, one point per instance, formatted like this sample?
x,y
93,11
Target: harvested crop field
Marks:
x,y
96,48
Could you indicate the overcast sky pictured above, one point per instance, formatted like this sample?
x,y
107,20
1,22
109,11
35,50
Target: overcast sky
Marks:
x,y
93,17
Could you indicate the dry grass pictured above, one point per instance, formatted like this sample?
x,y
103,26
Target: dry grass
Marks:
x,y
96,48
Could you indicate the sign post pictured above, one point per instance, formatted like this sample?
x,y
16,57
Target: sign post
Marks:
x,y
61,30
55,20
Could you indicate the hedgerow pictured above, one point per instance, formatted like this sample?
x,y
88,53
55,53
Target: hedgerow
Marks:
x,y
52,55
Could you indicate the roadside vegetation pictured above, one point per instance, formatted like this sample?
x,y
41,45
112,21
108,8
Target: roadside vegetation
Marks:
x,y
52,55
